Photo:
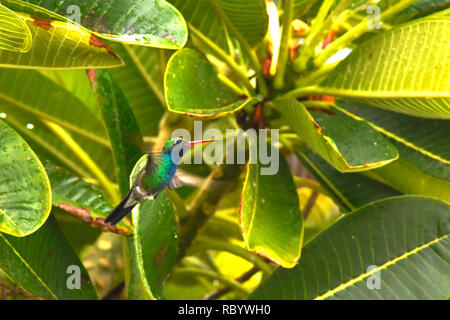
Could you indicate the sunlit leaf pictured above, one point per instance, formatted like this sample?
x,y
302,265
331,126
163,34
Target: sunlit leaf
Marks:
x,y
387,71
193,87
154,23
271,220
14,33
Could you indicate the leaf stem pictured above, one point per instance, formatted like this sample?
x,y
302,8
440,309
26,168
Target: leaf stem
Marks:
x,y
312,38
303,91
316,74
288,14
253,59
216,50
213,276
209,243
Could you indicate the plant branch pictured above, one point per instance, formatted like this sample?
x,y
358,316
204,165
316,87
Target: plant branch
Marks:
x,y
254,62
222,291
204,204
191,271
312,39
288,14
217,51
360,29
209,243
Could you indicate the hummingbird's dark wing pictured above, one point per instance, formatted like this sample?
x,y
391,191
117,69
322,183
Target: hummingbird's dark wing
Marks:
x,y
154,160
137,193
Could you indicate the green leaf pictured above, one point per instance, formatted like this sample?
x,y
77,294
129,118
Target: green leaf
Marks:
x,y
424,164
14,33
387,71
349,190
346,144
271,220
122,127
154,23
207,17
142,82
79,198
192,87
41,262
35,94
25,195
155,239
57,44
405,239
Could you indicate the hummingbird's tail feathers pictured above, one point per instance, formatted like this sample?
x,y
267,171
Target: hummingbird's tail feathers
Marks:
x,y
122,209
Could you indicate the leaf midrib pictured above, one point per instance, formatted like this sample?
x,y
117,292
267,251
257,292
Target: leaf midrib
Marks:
x,y
29,267
349,283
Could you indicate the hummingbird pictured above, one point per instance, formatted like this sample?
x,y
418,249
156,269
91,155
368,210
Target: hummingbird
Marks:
x,y
159,172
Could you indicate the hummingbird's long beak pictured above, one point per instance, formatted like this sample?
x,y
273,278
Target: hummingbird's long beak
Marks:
x,y
191,143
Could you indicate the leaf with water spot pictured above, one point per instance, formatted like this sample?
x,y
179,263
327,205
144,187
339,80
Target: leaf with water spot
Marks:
x,y
271,221
390,249
25,194
193,87
155,240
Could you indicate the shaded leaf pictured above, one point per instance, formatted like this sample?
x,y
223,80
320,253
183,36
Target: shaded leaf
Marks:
x,y
346,144
42,264
122,127
25,195
79,198
404,239
207,17
142,82
271,220
349,190
424,164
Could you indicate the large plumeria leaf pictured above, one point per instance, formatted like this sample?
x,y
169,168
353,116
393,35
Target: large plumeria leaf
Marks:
x,y
122,127
154,23
346,144
25,195
192,87
387,71
14,33
391,249
424,164
142,82
79,198
60,45
207,17
50,146
271,220
155,240
45,264
35,94
349,190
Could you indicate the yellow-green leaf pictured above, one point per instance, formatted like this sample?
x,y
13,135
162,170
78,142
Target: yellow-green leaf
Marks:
x,y
406,69
25,195
14,33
